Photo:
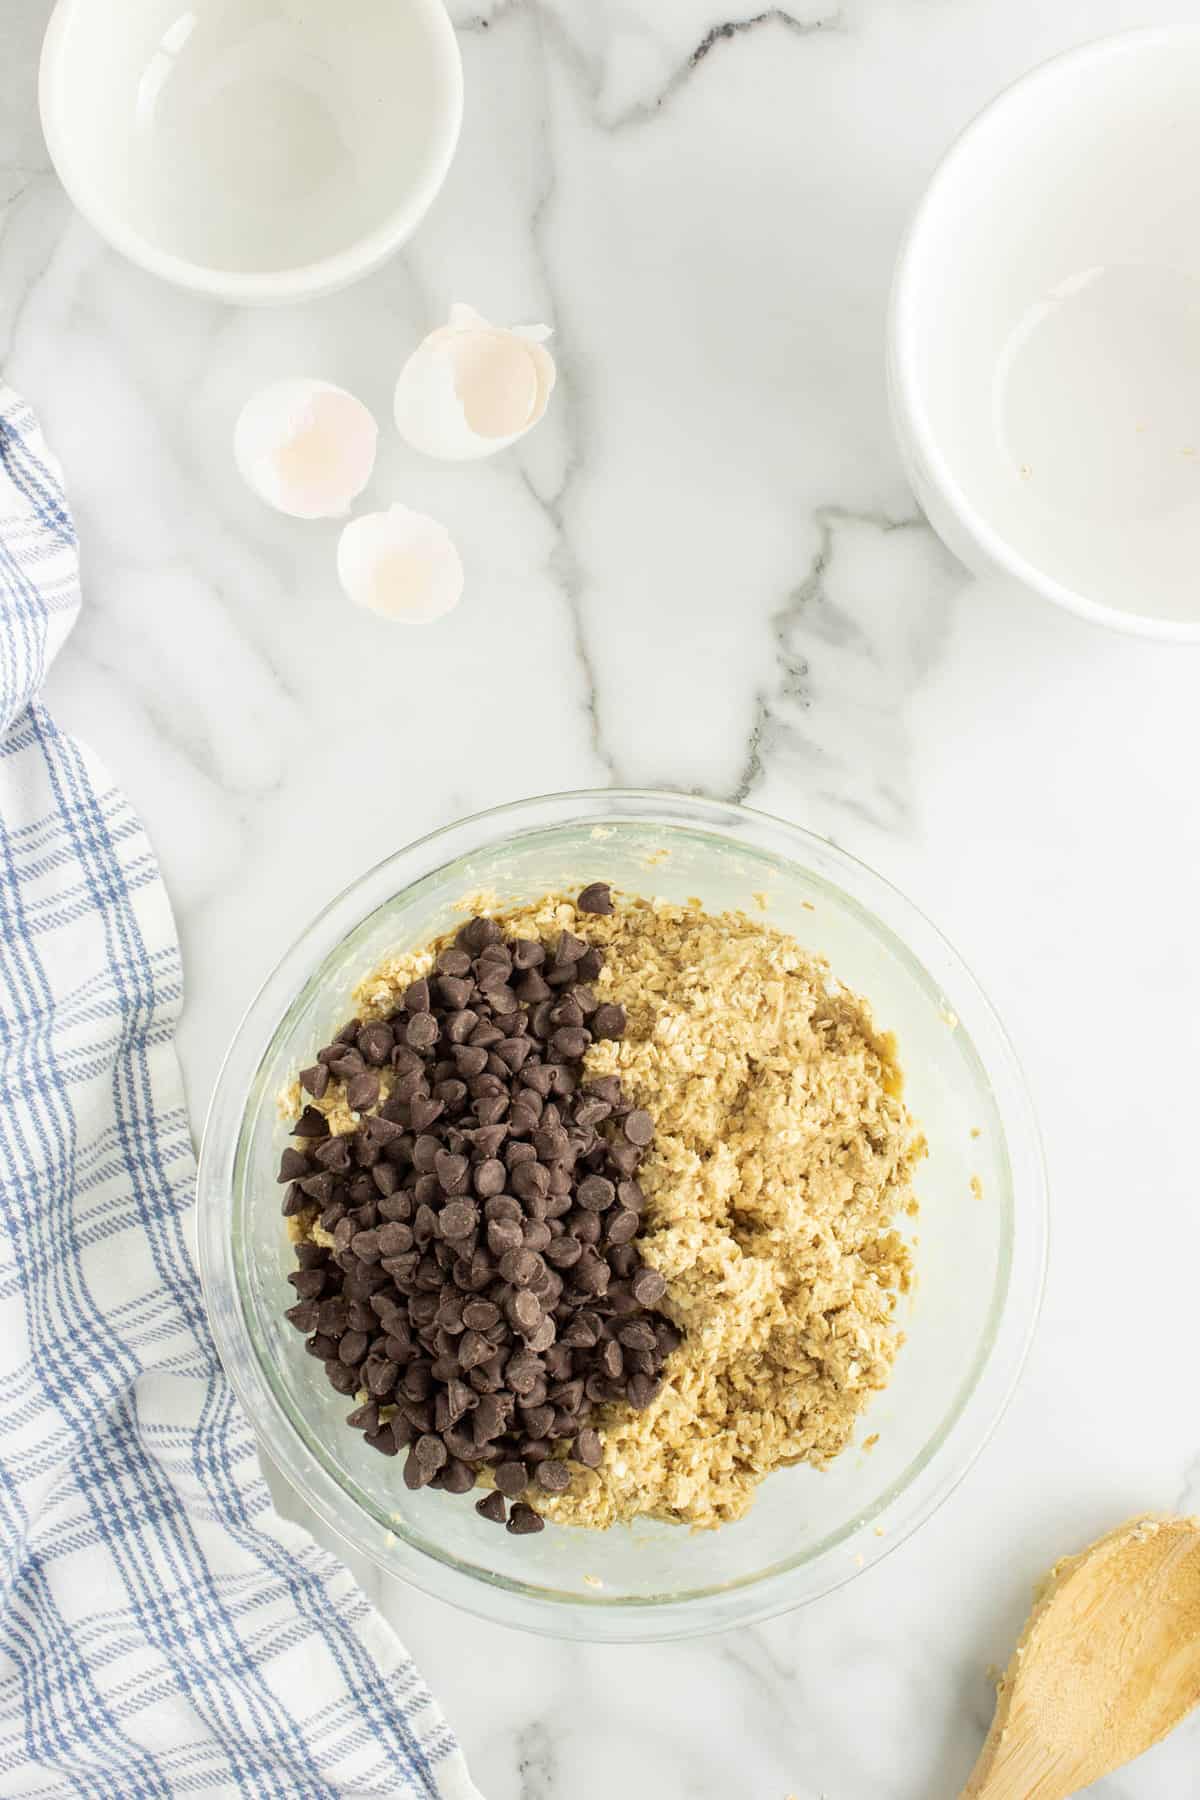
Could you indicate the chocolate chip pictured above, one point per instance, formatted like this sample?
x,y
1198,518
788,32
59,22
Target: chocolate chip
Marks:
x,y
430,1452
453,961
394,1238
521,1267
639,1128
532,989
333,1153
621,1302
596,1193
453,991
315,1080
624,1156
458,1026
457,1477
596,898
524,1520
538,1421
375,1043
511,1478
353,1347
608,1021
569,949
551,1143
458,1219
648,1287
621,1226
484,1281
525,1311
453,1172
292,1165
564,1252
311,1124
362,1091
422,1031
379,1374
488,1177
473,1349
514,1052
589,1448
340,1377
553,1477
318,1187
294,1201
591,1112
416,1473
638,1335
491,1416
366,1246
424,1112
592,1275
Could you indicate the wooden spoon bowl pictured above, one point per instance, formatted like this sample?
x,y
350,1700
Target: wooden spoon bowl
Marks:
x,y
1108,1663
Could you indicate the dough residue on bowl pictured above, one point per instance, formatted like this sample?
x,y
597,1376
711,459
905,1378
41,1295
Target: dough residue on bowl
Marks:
x,y
783,1154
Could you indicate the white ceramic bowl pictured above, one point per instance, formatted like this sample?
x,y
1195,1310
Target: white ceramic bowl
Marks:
x,y
1044,335
252,149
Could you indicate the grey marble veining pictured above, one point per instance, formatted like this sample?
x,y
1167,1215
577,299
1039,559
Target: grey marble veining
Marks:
x,y
707,565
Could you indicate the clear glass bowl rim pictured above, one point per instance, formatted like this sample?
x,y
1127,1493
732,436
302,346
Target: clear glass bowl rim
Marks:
x,y
605,1619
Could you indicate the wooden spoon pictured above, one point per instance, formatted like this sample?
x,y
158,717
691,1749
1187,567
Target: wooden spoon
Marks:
x,y
1108,1663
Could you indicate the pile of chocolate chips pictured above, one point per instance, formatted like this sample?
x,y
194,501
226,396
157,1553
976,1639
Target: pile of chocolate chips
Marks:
x,y
483,1278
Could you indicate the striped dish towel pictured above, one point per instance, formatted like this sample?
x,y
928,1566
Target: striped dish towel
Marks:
x,y
162,1631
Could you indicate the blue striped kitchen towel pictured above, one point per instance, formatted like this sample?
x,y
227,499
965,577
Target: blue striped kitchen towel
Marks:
x,y
162,1631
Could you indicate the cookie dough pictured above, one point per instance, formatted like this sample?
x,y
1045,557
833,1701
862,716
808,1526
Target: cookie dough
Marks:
x,y
783,1155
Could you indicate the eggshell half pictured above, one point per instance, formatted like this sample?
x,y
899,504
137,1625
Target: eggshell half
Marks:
x,y
400,564
306,447
470,388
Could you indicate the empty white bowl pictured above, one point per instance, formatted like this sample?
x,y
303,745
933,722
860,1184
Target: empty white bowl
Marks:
x,y
256,150
1044,335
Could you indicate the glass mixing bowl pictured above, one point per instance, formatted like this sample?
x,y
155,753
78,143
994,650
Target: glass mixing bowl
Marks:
x,y
979,1243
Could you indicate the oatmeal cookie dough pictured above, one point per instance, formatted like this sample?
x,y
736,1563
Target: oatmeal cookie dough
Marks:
x,y
783,1154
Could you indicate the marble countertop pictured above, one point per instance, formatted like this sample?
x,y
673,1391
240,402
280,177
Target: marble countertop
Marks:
x,y
709,561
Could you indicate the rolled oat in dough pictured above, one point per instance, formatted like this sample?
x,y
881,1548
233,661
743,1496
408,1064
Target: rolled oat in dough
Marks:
x,y
782,1154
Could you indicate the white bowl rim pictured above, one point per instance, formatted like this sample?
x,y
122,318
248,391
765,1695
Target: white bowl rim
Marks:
x,y
249,287
902,324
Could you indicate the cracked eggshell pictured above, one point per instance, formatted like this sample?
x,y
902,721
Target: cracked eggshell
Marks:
x,y
401,564
470,388
305,447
